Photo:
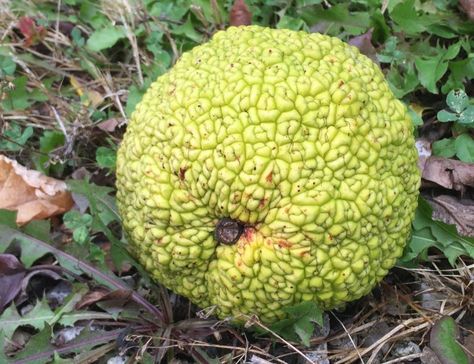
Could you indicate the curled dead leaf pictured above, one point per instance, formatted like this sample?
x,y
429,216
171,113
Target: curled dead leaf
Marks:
x,y
119,296
240,14
449,173
33,195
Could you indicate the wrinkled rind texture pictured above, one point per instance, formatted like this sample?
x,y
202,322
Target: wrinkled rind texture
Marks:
x,y
298,136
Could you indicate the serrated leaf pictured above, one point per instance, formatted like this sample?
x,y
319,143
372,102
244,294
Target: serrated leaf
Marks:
x,y
39,350
431,69
442,236
402,84
10,320
102,204
446,116
38,343
457,100
289,22
187,30
443,341
29,252
300,325
32,246
405,16
105,38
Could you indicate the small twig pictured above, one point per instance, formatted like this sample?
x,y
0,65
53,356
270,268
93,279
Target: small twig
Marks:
x,y
349,336
290,345
133,42
406,357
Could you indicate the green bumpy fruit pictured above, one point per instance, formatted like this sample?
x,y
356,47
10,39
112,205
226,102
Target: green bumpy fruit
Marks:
x,y
296,138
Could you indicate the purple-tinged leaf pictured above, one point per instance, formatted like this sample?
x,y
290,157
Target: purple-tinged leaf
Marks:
x,y
73,264
12,273
364,43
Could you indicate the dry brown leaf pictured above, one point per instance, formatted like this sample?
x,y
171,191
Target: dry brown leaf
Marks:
x,y
120,296
454,211
111,124
33,195
240,14
449,173
468,7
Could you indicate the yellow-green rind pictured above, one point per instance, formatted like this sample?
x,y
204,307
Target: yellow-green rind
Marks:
x,y
297,135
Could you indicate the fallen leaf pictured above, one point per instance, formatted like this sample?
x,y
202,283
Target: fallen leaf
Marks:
x,y
240,14
449,173
111,124
12,273
33,195
468,7
364,43
454,211
32,33
119,296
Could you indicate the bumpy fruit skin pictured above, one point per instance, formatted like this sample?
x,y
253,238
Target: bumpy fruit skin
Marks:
x,y
296,135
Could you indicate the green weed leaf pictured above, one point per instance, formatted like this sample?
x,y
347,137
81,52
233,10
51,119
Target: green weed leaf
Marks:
x,y
446,116
432,233
444,148
457,100
300,324
7,66
443,341
464,145
467,116
10,320
105,38
106,157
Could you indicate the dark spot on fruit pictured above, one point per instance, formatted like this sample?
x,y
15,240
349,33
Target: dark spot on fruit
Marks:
x,y
284,244
182,171
228,231
269,177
